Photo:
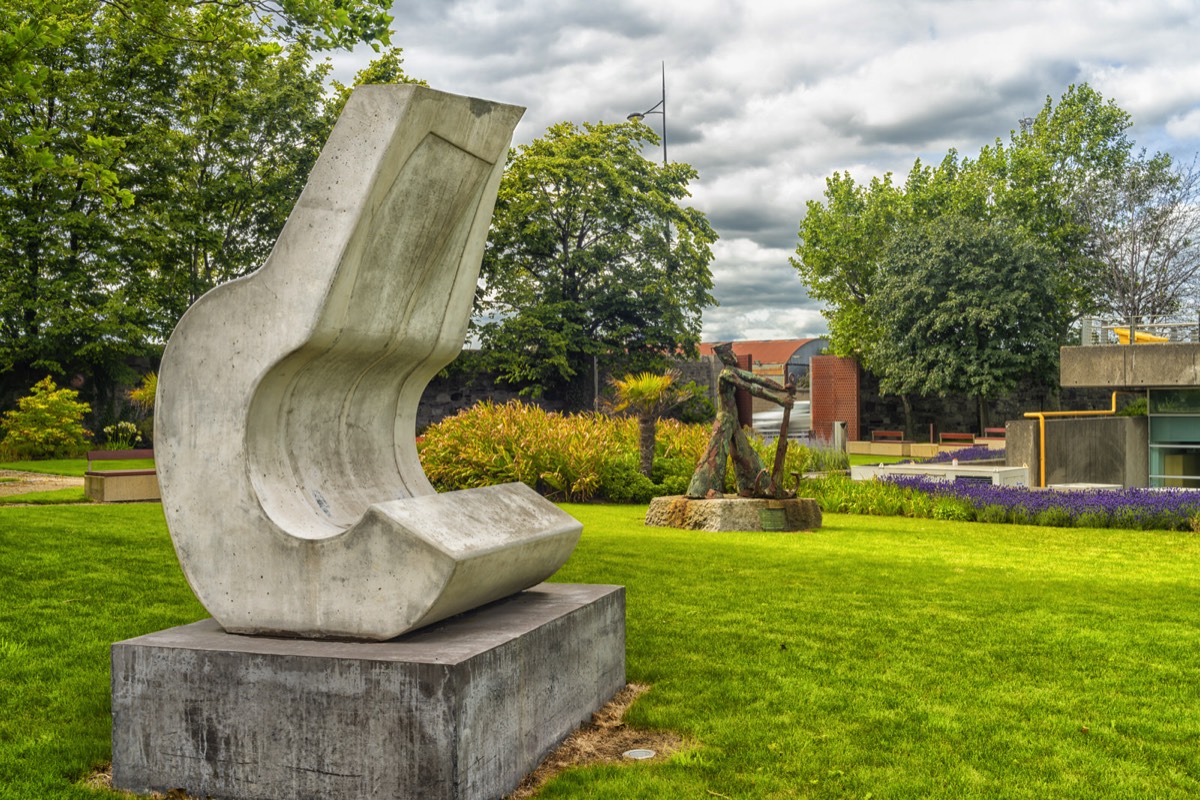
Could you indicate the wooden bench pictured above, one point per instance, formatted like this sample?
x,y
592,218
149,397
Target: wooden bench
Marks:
x,y
993,433
887,436
959,439
120,485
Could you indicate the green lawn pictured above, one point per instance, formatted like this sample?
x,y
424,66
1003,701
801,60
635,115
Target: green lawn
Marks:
x,y
878,657
75,467
72,494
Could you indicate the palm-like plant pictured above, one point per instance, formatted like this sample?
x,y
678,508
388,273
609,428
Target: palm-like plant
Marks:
x,y
143,395
647,396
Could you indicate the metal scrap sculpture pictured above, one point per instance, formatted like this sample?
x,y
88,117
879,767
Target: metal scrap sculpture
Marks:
x,y
729,442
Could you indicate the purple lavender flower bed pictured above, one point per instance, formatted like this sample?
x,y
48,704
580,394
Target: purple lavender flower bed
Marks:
x,y
1128,508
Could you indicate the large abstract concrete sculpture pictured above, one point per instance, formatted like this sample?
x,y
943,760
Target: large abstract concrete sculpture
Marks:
x,y
285,448
284,430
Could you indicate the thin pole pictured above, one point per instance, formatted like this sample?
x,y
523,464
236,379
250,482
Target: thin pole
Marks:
x,y
664,110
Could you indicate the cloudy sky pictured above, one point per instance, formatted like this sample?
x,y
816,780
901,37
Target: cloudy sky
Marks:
x,y
767,98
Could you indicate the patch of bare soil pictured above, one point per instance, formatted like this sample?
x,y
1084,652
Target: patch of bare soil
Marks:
x,y
14,482
604,740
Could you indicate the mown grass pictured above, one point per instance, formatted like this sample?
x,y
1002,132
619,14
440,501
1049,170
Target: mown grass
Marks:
x,y
900,658
71,494
866,459
74,579
877,657
75,467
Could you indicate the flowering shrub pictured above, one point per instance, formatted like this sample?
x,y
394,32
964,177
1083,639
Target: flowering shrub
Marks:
x,y
575,457
48,423
918,496
123,435
1148,509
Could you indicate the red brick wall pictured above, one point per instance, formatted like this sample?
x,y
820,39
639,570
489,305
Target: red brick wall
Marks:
x,y
834,395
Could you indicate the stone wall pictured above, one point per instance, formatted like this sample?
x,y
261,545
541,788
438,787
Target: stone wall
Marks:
x,y
959,414
458,391
839,391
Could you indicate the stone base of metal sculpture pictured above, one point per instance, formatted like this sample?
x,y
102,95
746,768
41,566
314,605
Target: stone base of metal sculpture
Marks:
x,y
732,513
460,710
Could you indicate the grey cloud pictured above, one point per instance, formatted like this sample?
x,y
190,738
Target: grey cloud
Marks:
x,y
766,99
768,225
779,288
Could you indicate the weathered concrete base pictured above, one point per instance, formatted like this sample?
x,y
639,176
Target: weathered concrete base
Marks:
x,y
121,488
462,709
733,513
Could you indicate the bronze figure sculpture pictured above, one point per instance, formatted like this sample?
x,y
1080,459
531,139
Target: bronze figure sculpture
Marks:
x,y
729,441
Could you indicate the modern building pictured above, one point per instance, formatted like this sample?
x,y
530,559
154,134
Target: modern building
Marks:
x,y
1160,449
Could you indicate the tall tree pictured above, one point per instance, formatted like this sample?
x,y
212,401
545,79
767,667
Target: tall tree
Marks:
x,y
963,307
1144,231
151,148
1071,157
592,258
842,245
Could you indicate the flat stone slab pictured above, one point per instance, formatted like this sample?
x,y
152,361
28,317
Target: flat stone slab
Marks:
x,y
463,709
733,513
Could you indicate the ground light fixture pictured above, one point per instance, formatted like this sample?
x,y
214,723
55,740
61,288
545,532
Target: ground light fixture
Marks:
x,y
639,754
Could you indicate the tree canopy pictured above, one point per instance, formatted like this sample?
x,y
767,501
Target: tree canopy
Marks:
x,y
966,308
151,149
593,259
1065,205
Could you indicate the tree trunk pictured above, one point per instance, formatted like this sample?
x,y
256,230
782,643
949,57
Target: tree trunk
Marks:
x,y
647,428
909,432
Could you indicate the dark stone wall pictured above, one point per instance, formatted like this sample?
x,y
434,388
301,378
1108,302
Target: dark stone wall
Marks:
x,y
446,396
960,414
464,387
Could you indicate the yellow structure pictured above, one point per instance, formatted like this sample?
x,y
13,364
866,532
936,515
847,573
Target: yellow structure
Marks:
x,y
1139,337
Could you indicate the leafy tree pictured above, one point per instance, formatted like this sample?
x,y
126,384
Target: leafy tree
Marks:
x,y
151,148
964,307
648,396
1043,179
592,259
1056,181
842,243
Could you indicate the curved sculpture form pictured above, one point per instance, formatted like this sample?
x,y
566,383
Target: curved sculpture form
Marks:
x,y
285,416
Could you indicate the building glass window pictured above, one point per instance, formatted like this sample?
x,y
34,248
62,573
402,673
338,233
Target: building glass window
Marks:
x,y
1175,437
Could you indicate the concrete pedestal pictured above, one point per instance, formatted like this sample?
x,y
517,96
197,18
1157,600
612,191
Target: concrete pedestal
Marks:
x,y
462,709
